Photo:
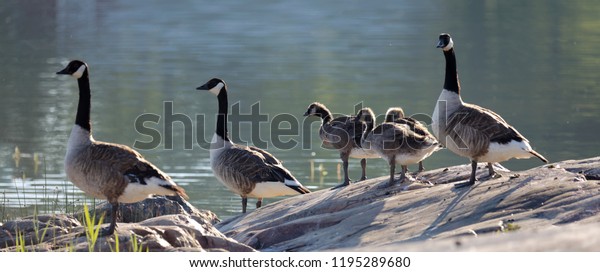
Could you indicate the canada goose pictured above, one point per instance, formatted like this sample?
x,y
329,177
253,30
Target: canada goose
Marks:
x,y
106,170
396,115
398,144
342,133
246,170
472,131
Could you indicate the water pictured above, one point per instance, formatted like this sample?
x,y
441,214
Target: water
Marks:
x,y
534,62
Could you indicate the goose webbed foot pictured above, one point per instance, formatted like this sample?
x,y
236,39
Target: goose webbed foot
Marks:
x,y
464,184
426,182
407,178
492,174
344,184
108,231
471,179
394,181
388,184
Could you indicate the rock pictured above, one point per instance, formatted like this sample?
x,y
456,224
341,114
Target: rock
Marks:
x,y
540,204
36,230
573,237
152,207
183,228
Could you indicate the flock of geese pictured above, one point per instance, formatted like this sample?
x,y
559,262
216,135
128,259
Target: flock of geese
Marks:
x,y
120,174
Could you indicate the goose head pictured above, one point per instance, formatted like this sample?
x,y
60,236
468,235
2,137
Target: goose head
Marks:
x,y
365,115
394,113
75,68
316,109
445,42
215,86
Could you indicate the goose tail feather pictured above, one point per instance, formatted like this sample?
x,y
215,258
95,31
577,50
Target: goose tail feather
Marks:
x,y
296,186
533,152
178,190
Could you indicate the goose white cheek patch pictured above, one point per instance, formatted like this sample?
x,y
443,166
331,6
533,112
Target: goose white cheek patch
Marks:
x,y
449,46
79,73
216,89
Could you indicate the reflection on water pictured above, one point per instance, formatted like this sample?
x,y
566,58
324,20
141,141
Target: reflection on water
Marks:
x,y
535,63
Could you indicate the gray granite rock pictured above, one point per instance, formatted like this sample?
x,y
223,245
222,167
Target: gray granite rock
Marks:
x,y
156,224
364,216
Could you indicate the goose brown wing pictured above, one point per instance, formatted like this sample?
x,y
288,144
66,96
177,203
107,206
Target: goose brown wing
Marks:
x,y
125,161
399,136
269,158
342,132
414,125
477,124
253,164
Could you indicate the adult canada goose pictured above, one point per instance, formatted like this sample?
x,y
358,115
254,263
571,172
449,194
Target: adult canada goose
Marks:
x,y
343,133
398,144
472,131
108,171
246,170
396,115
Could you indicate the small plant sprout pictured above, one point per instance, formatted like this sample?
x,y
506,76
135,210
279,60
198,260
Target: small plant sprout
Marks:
x,y
92,230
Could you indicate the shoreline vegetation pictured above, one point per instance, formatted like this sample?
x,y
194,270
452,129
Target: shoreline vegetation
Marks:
x,y
555,207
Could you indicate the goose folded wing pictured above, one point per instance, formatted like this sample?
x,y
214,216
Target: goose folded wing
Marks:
x,y
406,137
268,157
255,165
341,132
476,124
414,125
125,161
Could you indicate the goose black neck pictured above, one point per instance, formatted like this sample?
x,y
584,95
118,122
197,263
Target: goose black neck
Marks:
x,y
370,123
83,108
451,81
222,116
325,114
389,118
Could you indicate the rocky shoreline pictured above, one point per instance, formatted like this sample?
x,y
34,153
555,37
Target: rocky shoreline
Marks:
x,y
555,207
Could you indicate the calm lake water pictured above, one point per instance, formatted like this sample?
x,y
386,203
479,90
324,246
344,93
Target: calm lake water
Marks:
x,y
534,62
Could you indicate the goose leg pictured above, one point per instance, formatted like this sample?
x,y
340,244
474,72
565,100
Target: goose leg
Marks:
x,y
259,202
113,221
344,156
403,176
471,179
492,172
363,164
392,181
244,204
421,168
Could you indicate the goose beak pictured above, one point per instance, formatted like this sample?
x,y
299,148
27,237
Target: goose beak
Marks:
x,y
306,114
63,72
440,44
203,87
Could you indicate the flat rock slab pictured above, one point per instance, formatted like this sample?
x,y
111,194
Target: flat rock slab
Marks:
x,y
156,224
573,237
552,200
